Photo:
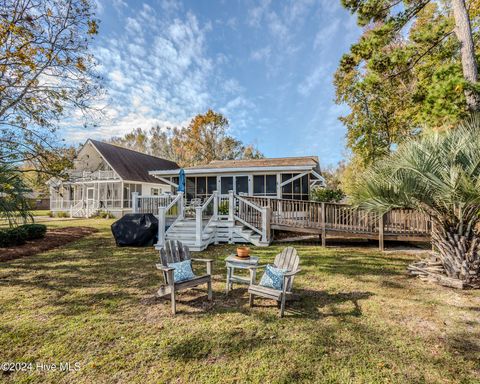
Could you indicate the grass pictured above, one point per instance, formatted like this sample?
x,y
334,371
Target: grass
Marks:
x,y
360,320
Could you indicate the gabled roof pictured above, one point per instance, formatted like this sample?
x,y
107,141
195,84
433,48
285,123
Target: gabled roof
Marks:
x,y
132,165
273,162
292,164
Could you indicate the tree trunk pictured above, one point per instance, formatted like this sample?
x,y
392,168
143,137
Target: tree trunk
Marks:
x,y
463,30
459,254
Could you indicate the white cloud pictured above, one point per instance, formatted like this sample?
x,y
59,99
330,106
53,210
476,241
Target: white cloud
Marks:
x,y
315,78
261,54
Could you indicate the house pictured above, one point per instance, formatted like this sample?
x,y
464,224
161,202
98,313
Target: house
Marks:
x,y
285,178
103,177
218,206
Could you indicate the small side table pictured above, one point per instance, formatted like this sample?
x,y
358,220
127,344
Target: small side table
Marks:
x,y
233,262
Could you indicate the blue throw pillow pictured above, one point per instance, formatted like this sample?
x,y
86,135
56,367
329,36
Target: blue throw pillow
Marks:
x,y
273,277
183,270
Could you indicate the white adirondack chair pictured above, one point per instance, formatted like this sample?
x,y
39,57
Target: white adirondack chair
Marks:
x,y
288,259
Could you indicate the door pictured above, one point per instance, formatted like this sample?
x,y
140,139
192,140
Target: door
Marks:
x,y
90,195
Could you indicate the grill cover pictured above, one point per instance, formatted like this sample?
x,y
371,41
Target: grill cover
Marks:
x,y
135,230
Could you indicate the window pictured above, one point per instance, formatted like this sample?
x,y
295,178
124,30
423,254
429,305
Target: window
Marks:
x,y
154,191
297,189
265,185
226,184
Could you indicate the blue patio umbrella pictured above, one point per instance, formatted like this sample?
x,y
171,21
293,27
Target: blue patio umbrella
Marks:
x,y
181,181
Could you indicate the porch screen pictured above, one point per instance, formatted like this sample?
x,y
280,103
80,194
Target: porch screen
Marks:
x,y
265,185
128,189
200,187
297,189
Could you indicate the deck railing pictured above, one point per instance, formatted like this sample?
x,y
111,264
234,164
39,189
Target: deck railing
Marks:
x,y
344,218
173,212
150,204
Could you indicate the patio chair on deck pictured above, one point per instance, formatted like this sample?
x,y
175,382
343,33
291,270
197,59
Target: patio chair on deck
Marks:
x,y
175,263
281,290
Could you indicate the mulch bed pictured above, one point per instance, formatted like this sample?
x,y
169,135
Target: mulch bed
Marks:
x,y
54,238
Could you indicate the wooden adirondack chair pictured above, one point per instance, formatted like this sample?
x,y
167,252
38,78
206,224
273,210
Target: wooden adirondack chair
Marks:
x,y
288,259
173,252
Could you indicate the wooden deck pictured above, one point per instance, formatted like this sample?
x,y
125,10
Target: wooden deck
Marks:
x,y
252,218
341,220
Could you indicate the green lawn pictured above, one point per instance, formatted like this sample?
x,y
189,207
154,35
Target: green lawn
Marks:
x,y
360,320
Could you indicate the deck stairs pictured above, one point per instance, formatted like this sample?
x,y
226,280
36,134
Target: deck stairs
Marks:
x,y
217,231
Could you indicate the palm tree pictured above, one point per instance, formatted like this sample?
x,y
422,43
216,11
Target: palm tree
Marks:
x,y
13,203
437,174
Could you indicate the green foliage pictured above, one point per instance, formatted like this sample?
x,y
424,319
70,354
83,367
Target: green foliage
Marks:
x,y
403,75
62,214
326,195
438,174
13,202
13,236
223,208
34,231
105,215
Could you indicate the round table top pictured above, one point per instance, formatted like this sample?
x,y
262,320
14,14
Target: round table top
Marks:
x,y
252,260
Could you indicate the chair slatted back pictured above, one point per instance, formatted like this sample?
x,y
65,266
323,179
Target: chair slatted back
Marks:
x,y
288,259
173,252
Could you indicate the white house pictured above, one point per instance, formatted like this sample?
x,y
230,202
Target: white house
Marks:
x,y
104,177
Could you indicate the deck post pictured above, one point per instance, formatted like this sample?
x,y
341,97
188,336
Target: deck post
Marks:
x,y
324,229
161,226
181,206
231,205
198,226
215,205
266,221
381,244
134,202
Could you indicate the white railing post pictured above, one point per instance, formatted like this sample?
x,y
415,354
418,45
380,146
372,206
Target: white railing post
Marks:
x,y
215,205
71,210
198,226
181,206
266,218
134,202
161,226
231,205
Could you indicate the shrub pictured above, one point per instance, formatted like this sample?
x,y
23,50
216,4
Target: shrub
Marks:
x,y
13,236
51,214
223,208
35,231
105,215
63,214
327,195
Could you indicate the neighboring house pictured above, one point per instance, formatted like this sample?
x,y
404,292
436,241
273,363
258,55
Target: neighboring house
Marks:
x,y
104,177
286,178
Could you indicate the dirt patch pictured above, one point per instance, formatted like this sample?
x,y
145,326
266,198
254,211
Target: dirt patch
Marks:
x,y
54,238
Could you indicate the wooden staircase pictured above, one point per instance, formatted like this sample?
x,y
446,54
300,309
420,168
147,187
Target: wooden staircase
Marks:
x,y
218,231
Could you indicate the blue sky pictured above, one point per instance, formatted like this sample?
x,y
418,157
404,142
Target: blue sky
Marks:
x,y
267,65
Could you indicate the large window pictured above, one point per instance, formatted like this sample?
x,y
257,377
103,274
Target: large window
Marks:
x,y
297,189
265,185
200,187
128,189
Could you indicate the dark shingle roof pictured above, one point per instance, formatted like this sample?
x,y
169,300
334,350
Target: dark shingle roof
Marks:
x,y
132,165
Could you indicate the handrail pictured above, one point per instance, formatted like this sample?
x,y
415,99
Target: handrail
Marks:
x,y
162,214
74,209
200,228
253,216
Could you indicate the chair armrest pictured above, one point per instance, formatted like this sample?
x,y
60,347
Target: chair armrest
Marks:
x,y
253,272
286,278
168,273
292,273
163,268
